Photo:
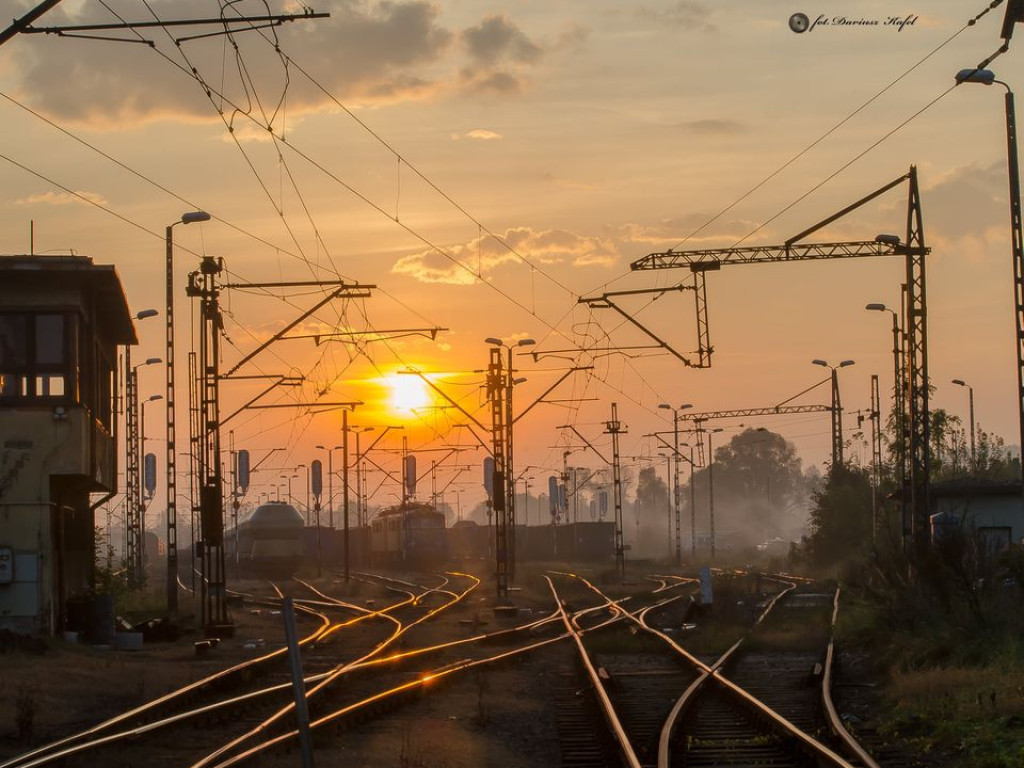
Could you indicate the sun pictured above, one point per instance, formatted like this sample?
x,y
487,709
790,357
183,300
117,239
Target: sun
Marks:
x,y
408,392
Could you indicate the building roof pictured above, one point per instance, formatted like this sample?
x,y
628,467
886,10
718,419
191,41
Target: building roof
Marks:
x,y
974,488
101,280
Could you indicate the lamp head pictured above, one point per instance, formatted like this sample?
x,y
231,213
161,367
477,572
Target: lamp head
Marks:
x,y
846,363
819,362
666,406
152,361
960,382
494,341
876,307
893,240
194,216
151,398
525,343
146,313
983,76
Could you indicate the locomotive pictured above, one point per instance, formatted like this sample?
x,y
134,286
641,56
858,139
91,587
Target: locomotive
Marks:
x,y
410,534
269,543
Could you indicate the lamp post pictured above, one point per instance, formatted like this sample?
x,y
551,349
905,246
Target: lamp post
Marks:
x,y
142,429
970,393
190,217
142,456
711,488
288,479
330,482
675,474
305,467
357,431
668,472
360,458
837,410
987,77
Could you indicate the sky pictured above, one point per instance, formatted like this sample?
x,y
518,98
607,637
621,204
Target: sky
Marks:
x,y
486,165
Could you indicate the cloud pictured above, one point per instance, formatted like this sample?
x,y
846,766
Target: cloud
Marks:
x,y
482,256
684,13
720,233
63,198
367,52
477,134
496,39
967,201
713,127
501,53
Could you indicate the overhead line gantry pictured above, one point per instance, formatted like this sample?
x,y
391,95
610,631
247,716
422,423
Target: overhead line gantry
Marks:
x,y
914,495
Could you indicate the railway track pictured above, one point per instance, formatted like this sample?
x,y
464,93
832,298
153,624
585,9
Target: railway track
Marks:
x,y
205,702
761,706
664,705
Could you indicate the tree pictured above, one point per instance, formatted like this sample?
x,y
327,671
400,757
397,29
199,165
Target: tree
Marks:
x,y
651,490
760,487
840,519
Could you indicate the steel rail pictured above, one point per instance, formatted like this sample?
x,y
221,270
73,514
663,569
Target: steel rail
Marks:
x,y
427,678
400,630
834,720
619,732
715,673
150,727
29,758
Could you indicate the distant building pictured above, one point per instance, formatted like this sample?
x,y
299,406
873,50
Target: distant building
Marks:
x,y
61,321
994,509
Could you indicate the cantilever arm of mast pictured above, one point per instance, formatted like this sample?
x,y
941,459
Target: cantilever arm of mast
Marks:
x,y
286,381
343,291
442,393
585,441
739,413
221,21
714,258
548,391
391,333
604,301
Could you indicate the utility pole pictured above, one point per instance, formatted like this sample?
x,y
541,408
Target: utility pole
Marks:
x,y
203,285
133,502
500,427
344,483
876,452
614,428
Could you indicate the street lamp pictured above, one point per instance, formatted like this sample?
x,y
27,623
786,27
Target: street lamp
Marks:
x,y
289,478
675,474
190,217
837,410
970,392
987,77
711,488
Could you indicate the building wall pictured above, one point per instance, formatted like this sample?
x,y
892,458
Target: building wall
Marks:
x,y
49,462
1003,511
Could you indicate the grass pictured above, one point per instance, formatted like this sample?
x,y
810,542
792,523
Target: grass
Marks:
x,y
965,718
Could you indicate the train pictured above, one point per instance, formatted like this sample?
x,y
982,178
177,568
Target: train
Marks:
x,y
274,541
411,534
269,542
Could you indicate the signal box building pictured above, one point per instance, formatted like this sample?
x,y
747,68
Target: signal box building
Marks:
x,y
61,321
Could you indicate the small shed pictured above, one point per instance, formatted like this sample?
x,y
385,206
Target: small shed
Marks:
x,y
994,509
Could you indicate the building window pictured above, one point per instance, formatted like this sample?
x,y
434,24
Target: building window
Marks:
x,y
34,362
